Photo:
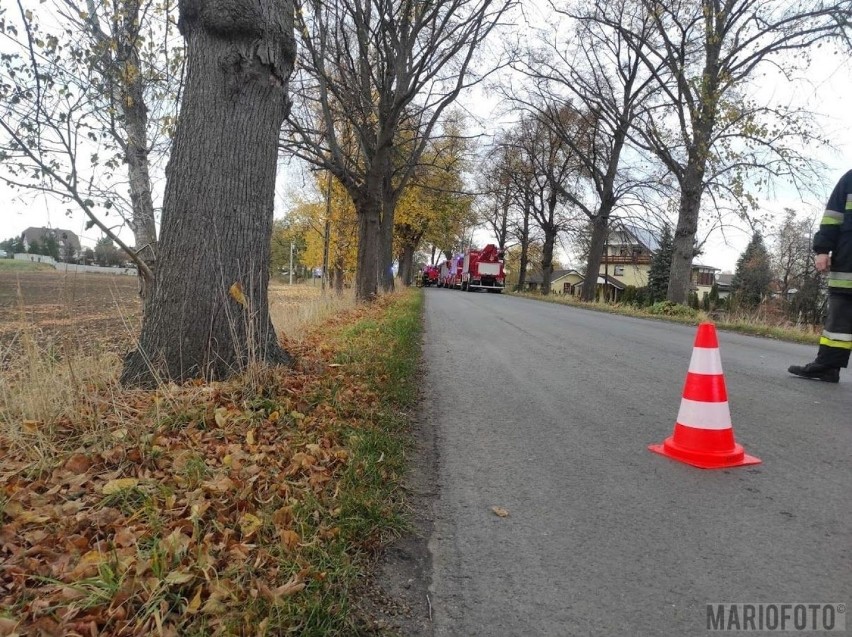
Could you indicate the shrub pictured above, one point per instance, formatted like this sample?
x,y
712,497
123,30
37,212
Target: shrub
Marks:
x,y
669,308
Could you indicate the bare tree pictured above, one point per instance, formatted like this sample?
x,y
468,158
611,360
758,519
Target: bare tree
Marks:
x,y
555,172
704,56
209,312
375,68
603,83
76,111
497,196
791,252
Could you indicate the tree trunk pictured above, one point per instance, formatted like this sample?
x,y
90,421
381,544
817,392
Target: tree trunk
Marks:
x,y
547,261
525,247
386,247
684,237
209,314
135,112
369,240
406,264
600,228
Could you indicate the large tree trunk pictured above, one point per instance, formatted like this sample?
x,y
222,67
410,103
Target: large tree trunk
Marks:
x,y
386,247
367,265
406,264
683,245
547,261
209,314
525,247
600,227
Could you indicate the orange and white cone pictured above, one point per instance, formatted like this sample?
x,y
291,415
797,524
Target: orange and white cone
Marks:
x,y
703,436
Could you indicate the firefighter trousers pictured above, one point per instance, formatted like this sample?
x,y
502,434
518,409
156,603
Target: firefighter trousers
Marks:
x,y
835,344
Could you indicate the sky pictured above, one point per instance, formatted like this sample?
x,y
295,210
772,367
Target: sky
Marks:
x,y
827,91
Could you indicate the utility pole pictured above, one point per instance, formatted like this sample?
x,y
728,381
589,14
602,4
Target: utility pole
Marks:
x,y
291,262
326,239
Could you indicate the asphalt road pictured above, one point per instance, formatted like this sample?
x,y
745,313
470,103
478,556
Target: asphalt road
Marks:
x,y
547,411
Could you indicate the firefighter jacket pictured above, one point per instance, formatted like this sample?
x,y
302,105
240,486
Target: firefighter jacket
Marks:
x,y
835,236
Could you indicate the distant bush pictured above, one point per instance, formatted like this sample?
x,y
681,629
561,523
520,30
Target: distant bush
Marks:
x,y
669,308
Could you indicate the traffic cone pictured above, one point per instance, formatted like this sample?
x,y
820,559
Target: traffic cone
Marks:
x,y
703,435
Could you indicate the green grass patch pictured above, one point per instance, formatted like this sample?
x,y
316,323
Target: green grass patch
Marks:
x,y
14,265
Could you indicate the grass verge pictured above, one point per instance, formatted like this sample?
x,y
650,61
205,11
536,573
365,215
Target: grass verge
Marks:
x,y
237,508
743,324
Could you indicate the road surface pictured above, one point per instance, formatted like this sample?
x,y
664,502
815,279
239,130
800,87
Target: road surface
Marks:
x,y
547,411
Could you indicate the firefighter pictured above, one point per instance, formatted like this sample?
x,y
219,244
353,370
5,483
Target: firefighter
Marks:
x,y
833,247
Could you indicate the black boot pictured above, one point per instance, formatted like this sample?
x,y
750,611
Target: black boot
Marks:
x,y
815,371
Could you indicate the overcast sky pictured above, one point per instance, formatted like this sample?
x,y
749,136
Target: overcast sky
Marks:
x,y
827,92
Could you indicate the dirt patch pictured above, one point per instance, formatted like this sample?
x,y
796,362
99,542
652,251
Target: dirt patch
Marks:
x,y
399,598
79,310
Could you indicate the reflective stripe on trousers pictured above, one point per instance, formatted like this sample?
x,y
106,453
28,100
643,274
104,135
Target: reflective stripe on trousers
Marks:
x,y
835,344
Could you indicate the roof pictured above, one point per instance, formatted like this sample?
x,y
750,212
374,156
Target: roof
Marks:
x,y
62,236
724,280
646,237
557,274
618,285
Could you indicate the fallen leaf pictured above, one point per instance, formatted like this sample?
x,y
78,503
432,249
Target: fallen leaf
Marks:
x,y
289,538
78,463
221,416
290,588
179,577
273,417
236,292
194,603
250,437
249,524
500,511
114,486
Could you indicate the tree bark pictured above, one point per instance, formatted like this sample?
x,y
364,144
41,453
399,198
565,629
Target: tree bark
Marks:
x,y
600,227
143,223
406,264
525,246
547,260
684,237
209,315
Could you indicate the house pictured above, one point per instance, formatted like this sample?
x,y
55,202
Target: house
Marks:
x,y
67,240
629,251
561,282
703,277
723,284
608,288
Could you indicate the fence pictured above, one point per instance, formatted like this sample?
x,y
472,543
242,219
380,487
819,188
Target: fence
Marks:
x,y
72,267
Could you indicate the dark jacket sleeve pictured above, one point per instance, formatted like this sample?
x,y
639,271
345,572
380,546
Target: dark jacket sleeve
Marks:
x,y
825,240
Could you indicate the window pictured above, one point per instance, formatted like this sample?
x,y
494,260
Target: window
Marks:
x,y
619,270
705,278
566,288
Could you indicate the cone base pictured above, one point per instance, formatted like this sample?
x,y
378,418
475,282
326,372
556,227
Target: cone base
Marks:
x,y
735,457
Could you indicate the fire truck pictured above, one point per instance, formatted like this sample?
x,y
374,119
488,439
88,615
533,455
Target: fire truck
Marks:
x,y
483,270
430,275
451,272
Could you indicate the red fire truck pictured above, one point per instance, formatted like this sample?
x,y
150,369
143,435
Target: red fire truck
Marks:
x,y
429,276
451,273
483,270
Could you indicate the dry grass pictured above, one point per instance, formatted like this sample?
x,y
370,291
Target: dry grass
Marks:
x,y
61,344
294,308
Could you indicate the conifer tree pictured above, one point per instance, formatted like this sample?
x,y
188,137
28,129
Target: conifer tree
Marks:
x,y
658,275
753,274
